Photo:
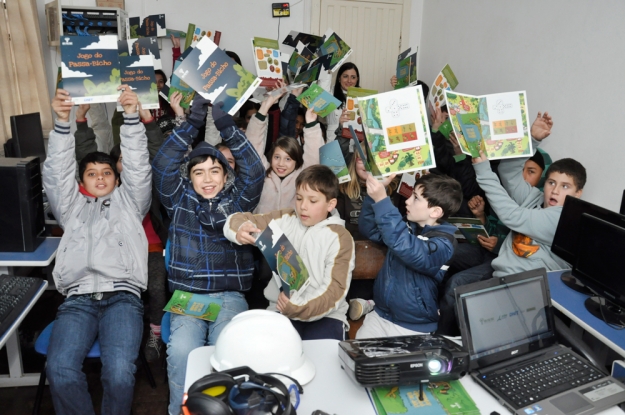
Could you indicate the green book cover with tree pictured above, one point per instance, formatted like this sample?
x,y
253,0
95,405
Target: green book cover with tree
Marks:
x,y
201,306
320,100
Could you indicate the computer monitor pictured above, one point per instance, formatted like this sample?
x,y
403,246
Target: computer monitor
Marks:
x,y
28,136
599,266
565,241
622,210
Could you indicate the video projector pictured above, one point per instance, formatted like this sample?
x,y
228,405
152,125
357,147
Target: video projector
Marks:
x,y
403,360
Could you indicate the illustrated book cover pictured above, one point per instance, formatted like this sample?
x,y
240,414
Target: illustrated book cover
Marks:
x,y
267,60
351,105
470,228
141,46
289,270
332,43
90,68
214,75
153,25
397,131
331,155
200,306
445,81
138,73
320,100
406,71
497,124
196,33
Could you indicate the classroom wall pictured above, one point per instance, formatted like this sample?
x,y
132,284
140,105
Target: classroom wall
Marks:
x,y
568,56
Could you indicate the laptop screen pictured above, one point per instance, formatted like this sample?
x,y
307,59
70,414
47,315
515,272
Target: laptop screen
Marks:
x,y
505,317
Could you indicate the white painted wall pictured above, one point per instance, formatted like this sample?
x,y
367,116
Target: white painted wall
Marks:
x,y
567,54
416,22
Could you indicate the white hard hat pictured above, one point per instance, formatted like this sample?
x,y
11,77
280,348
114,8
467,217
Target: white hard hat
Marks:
x,y
267,342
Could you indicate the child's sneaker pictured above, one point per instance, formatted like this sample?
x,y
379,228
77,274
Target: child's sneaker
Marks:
x,y
153,346
359,307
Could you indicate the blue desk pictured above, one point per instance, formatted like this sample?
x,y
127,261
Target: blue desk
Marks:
x,y
41,257
571,304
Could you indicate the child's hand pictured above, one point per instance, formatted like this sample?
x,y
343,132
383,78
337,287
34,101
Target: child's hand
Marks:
x,y
128,99
283,300
270,100
376,189
476,204
438,119
297,92
82,110
482,158
62,105
310,116
393,80
245,233
344,117
454,143
542,126
487,243
175,41
174,102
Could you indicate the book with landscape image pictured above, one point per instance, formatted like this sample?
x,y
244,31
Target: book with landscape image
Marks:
x,y
90,68
470,228
216,77
200,306
351,105
331,155
289,270
320,100
406,71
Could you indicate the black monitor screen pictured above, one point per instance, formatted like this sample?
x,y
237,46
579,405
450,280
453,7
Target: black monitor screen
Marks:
x,y
566,238
28,136
622,211
599,262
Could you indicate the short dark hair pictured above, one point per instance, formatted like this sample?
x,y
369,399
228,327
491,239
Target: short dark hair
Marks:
x,y
116,153
291,147
160,72
96,157
201,159
442,191
571,168
320,179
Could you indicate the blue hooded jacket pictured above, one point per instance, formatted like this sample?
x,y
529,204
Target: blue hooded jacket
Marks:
x,y
406,288
200,258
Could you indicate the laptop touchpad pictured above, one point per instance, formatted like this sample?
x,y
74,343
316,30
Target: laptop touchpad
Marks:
x,y
571,403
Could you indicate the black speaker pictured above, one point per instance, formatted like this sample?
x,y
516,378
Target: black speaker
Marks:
x,y
22,223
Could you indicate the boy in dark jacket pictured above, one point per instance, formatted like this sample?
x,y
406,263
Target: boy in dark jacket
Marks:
x,y
406,288
198,200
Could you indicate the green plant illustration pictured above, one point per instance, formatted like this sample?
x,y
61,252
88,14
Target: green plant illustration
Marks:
x,y
247,78
104,88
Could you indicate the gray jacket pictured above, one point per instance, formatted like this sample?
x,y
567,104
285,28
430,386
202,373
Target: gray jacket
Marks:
x,y
104,247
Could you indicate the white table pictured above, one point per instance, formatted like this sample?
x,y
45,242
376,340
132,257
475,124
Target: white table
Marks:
x,y
16,376
333,391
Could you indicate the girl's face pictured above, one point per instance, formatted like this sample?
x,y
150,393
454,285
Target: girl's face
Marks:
x,y
348,78
281,163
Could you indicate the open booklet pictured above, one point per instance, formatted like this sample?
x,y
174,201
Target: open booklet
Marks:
x,y
496,124
216,77
200,306
445,81
470,228
321,101
406,71
351,105
397,131
288,268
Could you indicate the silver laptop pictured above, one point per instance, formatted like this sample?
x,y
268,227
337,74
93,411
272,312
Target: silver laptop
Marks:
x,y
508,329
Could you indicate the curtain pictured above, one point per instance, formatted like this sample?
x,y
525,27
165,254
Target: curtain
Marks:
x,y
23,85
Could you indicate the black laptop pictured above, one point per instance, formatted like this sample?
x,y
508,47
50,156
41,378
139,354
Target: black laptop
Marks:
x,y
508,329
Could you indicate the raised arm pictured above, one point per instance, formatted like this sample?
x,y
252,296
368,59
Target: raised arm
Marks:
x,y
249,181
313,139
59,169
168,181
152,131
84,137
288,116
136,174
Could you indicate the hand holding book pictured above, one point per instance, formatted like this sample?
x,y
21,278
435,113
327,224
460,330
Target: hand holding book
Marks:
x,y
247,233
62,105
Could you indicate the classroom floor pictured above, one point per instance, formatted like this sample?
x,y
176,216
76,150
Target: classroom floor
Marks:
x,y
14,401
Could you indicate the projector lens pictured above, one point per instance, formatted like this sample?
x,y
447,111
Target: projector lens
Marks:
x,y
435,366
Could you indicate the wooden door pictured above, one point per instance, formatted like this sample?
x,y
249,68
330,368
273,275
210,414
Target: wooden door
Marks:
x,y
373,29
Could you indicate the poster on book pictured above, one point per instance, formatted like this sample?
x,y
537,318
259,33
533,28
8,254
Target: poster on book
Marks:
x,y
496,124
141,46
216,77
267,60
397,131
153,25
138,73
445,81
90,68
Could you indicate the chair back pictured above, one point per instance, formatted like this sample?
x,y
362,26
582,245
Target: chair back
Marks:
x,y
369,259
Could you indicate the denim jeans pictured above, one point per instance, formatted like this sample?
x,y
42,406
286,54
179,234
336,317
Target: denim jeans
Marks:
x,y
188,333
118,323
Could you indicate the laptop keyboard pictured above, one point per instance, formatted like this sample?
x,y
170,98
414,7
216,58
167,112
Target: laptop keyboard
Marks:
x,y
539,380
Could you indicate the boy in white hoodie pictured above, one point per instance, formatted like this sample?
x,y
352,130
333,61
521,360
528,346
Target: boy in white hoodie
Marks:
x,y
318,234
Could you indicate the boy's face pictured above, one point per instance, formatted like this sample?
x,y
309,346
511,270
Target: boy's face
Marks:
x,y
99,179
226,152
160,82
557,187
417,209
532,172
312,206
208,178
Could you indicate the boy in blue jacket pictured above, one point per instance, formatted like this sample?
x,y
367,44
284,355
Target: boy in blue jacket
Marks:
x,y
406,288
199,196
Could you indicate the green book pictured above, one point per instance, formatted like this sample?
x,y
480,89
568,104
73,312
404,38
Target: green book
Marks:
x,y
470,228
454,398
200,306
320,100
